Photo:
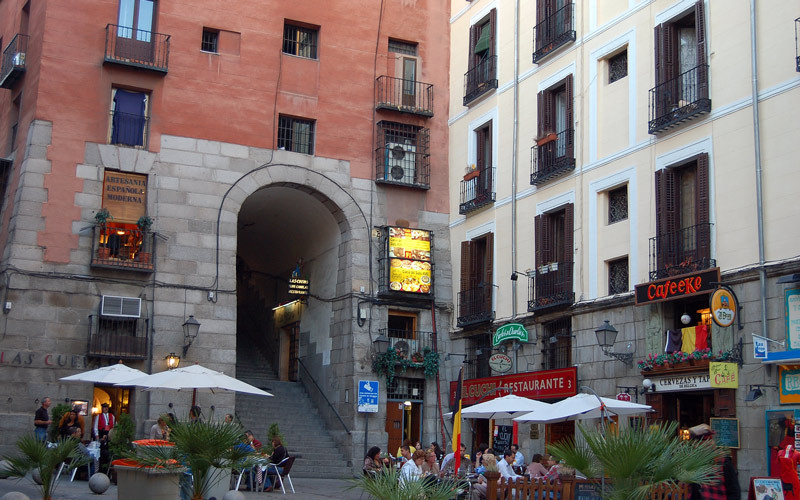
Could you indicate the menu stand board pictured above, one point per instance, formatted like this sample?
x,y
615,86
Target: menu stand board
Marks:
x,y
726,432
502,441
587,491
765,488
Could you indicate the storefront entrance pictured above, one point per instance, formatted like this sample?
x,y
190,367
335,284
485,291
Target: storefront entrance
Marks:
x,y
404,411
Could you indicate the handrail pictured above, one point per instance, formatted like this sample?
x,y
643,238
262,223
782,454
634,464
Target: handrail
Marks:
x,y
300,362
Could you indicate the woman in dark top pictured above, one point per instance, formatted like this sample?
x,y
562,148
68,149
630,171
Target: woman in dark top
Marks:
x,y
68,421
372,462
278,454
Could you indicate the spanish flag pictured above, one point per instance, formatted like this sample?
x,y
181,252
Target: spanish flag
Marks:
x,y
456,409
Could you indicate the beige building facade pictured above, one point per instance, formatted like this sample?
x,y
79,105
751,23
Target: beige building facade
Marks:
x,y
599,150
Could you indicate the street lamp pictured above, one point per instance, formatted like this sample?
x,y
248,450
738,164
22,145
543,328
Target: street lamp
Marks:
x,y
381,344
191,327
606,335
173,360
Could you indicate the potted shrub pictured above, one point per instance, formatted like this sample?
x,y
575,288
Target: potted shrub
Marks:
x,y
36,455
144,223
101,218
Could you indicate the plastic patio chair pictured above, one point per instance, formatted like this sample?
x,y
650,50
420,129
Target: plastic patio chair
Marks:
x,y
286,463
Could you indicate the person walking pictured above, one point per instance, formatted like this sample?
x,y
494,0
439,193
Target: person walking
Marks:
x,y
41,420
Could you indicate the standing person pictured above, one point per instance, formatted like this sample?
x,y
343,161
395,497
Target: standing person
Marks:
x,y
41,420
68,421
103,423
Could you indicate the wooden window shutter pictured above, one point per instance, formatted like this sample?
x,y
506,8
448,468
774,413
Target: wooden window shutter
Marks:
x,y
465,260
659,48
474,32
475,267
700,28
488,272
659,202
541,14
547,239
701,203
669,61
480,137
656,401
549,114
493,27
725,403
569,232
540,97
665,216
569,139
537,240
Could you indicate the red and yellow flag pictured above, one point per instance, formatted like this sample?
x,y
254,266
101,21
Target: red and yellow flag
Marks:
x,y
457,423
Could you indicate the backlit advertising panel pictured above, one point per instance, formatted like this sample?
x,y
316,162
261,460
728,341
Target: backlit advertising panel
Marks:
x,y
410,263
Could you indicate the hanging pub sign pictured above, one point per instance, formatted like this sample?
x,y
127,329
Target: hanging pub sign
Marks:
x,y
410,262
500,363
298,286
723,307
677,287
511,331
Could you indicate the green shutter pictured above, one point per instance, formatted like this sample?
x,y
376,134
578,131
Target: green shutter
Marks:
x,y
483,42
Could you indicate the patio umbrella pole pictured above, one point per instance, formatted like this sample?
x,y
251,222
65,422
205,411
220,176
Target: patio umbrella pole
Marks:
x,y
194,397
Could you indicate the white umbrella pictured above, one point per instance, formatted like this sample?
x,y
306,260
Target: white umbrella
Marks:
x,y
508,406
583,406
118,374
195,378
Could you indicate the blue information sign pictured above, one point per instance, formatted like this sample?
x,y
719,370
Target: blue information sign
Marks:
x,y
368,396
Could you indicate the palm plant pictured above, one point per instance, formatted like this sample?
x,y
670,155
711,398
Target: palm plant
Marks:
x,y
638,460
387,485
36,455
209,449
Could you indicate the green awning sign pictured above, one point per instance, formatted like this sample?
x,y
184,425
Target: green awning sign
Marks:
x,y
483,41
511,331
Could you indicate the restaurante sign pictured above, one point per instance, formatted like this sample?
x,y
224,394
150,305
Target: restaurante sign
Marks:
x,y
676,287
544,384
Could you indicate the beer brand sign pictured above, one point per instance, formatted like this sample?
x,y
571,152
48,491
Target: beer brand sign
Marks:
x,y
544,384
511,331
677,287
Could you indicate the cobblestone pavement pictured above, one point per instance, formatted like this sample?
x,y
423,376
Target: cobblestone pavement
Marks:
x,y
306,488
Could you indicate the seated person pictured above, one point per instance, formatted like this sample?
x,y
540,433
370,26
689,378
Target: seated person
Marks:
x,y
411,470
373,462
252,441
404,454
159,429
407,443
83,450
506,471
519,458
448,463
536,469
69,420
430,465
278,454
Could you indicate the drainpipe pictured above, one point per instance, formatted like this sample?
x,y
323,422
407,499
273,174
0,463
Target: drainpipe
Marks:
x,y
762,271
514,141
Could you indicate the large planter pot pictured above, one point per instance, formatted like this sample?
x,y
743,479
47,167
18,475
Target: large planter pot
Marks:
x,y
135,483
220,482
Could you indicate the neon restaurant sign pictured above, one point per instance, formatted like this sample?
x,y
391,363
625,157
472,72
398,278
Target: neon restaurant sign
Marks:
x,y
677,287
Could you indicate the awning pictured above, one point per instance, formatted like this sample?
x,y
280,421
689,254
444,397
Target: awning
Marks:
x,y
483,42
788,357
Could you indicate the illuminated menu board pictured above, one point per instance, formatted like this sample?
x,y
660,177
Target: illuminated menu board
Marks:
x,y
410,260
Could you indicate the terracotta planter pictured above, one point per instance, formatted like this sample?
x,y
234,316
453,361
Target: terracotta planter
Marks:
x,y
472,175
103,253
143,257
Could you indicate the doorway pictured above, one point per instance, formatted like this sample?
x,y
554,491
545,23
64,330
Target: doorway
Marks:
x,y
290,348
403,421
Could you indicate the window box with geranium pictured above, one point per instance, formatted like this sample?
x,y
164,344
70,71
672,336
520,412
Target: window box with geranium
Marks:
x,y
680,360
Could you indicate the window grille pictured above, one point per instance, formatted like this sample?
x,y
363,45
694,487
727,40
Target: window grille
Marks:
x,y
618,66
406,388
298,41
295,134
618,204
210,38
400,47
557,344
618,276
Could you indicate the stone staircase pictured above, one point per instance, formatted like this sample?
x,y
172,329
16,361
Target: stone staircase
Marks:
x,y
306,436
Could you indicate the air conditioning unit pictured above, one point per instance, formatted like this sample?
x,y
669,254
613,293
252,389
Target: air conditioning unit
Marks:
x,y
120,307
401,162
19,59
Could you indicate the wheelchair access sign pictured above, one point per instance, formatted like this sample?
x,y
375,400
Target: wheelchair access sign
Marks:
x,y
368,396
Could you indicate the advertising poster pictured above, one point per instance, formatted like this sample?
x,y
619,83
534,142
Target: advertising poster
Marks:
x,y
765,488
410,261
789,384
793,318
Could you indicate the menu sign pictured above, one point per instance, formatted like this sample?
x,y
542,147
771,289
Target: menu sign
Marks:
x,y
410,260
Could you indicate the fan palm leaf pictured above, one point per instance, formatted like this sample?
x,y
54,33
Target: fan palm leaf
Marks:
x,y
37,455
638,460
388,485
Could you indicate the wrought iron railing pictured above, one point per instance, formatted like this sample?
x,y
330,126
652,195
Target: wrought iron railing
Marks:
x,y
480,79
322,393
122,248
118,338
553,156
406,96
411,343
13,64
139,48
679,99
684,251
551,286
129,129
477,191
404,165
555,31
475,305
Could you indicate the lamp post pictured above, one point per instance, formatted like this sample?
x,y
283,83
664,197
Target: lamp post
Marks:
x,y
191,327
173,360
606,336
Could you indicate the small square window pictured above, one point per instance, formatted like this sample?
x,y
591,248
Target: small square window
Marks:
x,y
210,39
299,41
296,134
618,66
618,204
618,276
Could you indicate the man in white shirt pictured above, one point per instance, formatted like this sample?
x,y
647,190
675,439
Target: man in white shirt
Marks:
x,y
519,459
504,466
